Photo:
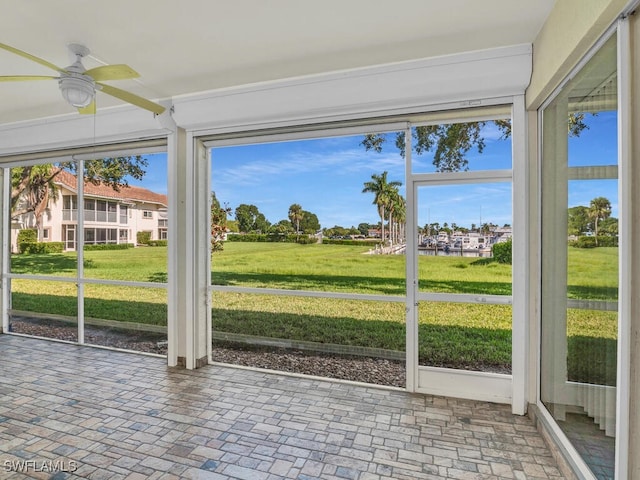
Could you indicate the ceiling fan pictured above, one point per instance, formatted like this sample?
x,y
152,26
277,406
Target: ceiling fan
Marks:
x,y
78,85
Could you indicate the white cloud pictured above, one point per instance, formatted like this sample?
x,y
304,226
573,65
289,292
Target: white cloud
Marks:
x,y
297,163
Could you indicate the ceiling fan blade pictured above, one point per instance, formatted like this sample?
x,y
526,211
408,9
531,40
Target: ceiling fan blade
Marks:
x,y
132,98
33,58
89,109
20,78
112,72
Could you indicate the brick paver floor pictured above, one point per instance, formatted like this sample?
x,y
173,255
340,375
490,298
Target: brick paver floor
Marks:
x,y
112,415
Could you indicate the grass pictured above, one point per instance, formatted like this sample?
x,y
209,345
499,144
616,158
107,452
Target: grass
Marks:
x,y
450,334
144,264
593,273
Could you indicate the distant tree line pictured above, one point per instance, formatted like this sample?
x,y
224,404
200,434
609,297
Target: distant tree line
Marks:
x,y
435,227
249,219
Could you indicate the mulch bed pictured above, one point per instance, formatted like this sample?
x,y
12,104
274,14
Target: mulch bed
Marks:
x,y
361,369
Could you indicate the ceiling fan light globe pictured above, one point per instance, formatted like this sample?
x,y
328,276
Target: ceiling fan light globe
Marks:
x,y
77,92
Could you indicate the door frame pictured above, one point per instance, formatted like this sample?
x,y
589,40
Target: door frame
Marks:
x,y
501,388
68,229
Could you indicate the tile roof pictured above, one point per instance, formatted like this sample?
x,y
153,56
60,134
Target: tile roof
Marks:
x,y
129,193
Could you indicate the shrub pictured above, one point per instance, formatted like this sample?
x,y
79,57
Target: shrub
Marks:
x,y
590,242
108,246
607,241
306,240
502,252
143,238
27,235
158,243
272,237
584,242
366,243
247,237
41,247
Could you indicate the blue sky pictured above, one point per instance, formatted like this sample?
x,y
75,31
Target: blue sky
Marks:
x,y
326,176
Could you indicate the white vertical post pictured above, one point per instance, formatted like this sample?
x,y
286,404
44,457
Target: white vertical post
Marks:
x,y
206,169
6,247
520,264
199,327
411,271
182,250
80,249
187,311
173,350
625,250
188,323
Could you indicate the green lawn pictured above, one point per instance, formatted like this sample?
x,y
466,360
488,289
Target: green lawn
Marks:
x,y
144,264
458,335
343,268
593,273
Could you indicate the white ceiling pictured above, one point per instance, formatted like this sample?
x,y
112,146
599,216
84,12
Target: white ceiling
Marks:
x,y
185,46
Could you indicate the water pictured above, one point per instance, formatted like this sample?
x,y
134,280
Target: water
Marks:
x,y
455,253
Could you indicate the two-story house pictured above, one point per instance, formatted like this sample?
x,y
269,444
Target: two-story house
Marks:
x,y
110,216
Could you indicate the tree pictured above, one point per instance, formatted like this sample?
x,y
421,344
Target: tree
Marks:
x,y
609,226
396,207
232,226
33,187
400,209
282,227
579,220
451,142
335,230
261,225
364,228
246,217
382,190
295,215
309,222
218,223
432,228
599,209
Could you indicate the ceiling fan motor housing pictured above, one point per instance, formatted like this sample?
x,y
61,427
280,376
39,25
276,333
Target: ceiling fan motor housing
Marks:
x,y
77,88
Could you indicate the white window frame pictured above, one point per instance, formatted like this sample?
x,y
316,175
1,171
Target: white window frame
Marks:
x,y
624,62
513,388
80,280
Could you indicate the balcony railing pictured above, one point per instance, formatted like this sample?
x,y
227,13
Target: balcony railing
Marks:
x,y
69,215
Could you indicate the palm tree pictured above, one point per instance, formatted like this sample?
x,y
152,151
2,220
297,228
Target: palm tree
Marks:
x,y
295,215
400,215
599,209
381,188
392,203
